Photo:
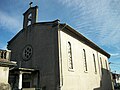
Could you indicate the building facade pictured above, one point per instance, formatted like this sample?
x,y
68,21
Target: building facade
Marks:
x,y
5,65
116,80
54,56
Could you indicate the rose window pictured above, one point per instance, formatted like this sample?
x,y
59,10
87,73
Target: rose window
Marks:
x,y
27,52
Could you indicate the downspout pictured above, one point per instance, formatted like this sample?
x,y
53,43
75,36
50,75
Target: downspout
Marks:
x,y
60,54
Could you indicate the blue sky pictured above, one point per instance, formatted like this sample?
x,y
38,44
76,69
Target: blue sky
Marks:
x,y
98,20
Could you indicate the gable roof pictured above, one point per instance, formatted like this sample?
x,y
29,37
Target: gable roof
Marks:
x,y
52,23
84,40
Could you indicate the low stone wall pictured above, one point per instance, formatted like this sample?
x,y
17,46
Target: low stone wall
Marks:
x,y
5,86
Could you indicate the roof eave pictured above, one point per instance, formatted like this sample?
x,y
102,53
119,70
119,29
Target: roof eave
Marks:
x,y
87,41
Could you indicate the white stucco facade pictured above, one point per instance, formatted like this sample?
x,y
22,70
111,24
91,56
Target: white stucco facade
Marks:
x,y
78,78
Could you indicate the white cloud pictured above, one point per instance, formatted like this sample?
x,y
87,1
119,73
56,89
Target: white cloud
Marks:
x,y
9,23
114,54
99,20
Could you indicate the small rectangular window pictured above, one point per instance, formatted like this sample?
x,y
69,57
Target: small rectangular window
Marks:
x,y
44,88
101,65
85,61
106,64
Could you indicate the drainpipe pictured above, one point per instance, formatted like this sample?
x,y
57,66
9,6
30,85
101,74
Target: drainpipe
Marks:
x,y
60,54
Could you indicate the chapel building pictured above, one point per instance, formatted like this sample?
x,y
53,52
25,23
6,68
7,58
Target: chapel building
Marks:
x,y
54,56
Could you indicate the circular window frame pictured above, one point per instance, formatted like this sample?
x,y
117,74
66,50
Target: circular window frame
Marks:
x,y
27,52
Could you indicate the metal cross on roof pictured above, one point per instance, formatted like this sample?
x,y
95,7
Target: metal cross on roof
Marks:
x,y
30,4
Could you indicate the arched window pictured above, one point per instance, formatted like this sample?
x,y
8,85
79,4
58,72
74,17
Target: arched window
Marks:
x,y
85,61
29,19
70,62
94,63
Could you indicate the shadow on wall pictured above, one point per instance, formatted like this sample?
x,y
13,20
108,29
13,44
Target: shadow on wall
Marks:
x,y
106,82
4,86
